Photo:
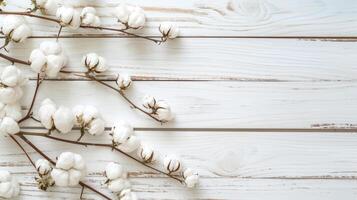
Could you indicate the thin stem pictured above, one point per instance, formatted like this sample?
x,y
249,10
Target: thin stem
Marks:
x,y
82,26
59,32
80,197
22,148
14,60
29,112
121,94
22,133
54,163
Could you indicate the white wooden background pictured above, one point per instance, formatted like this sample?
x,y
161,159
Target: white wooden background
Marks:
x,y
264,91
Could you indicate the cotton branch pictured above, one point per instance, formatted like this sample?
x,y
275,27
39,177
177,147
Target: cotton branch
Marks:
x,y
22,133
84,185
29,112
29,14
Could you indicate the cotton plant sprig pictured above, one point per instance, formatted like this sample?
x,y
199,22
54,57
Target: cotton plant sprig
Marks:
x,y
131,17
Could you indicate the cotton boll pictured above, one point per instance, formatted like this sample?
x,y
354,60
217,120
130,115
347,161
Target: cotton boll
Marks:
x,y
163,111
88,17
146,153
12,76
123,81
9,126
169,30
43,166
50,48
63,119
137,18
65,160
171,163
89,113
114,171
96,127
79,162
121,132
38,60
127,194
46,111
132,144
69,17
94,62
54,64
10,95
102,65
48,6
118,185
122,12
60,177
191,178
21,33
74,177
9,187
149,102
10,23
13,111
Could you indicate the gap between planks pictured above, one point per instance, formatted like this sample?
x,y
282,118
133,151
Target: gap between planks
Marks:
x,y
260,130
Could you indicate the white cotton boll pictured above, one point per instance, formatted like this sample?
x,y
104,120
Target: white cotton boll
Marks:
x,y
79,162
96,127
9,187
13,111
63,119
123,81
74,177
122,12
146,153
46,111
11,76
121,132
54,64
9,126
191,178
48,6
163,111
132,144
69,17
169,30
93,61
21,33
114,171
171,163
10,94
65,160
88,16
60,177
149,101
137,18
102,65
10,23
118,185
43,166
89,113
38,60
127,194
50,48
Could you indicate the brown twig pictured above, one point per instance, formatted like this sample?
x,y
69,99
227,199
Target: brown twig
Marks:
x,y
29,112
14,60
29,14
22,133
121,94
54,163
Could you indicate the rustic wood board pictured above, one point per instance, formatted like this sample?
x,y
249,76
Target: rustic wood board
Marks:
x,y
264,93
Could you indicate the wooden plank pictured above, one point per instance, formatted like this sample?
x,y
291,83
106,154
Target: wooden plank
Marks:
x,y
230,17
213,59
232,165
216,104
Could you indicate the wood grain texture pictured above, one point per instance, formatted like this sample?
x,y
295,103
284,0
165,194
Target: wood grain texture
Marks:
x,y
216,104
213,59
228,17
231,165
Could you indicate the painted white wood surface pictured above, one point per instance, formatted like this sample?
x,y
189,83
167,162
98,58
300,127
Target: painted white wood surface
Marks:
x,y
229,17
217,81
